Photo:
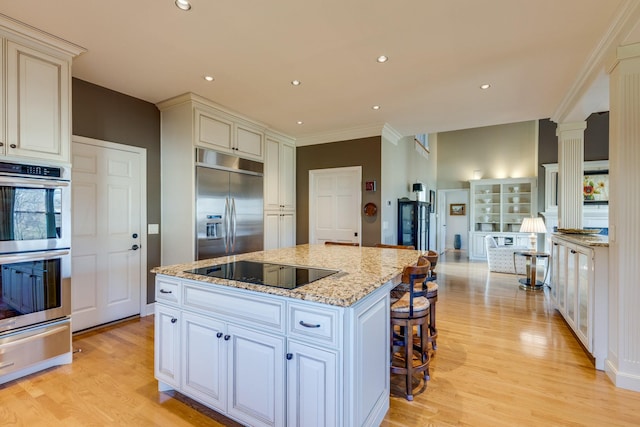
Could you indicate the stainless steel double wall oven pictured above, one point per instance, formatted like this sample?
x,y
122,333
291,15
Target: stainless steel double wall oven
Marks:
x,y
35,262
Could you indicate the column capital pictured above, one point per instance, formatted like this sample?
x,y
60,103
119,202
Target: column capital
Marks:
x,y
571,126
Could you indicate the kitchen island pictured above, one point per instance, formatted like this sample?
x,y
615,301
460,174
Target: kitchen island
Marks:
x,y
267,356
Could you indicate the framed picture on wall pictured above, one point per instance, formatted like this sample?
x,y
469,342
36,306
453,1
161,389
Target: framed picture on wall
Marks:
x,y
432,201
595,187
457,209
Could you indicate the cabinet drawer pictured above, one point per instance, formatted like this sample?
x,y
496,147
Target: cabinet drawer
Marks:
x,y
245,308
167,290
314,323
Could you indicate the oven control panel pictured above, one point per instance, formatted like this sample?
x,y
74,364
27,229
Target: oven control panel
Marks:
x,y
30,170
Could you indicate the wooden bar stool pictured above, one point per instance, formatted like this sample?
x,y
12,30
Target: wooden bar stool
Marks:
x,y
409,347
432,256
432,296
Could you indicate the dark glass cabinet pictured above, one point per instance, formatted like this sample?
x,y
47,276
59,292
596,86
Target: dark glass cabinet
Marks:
x,y
413,223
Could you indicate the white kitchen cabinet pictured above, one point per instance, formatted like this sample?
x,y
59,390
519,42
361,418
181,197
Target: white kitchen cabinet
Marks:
x,y
256,377
497,208
267,360
204,371
220,131
35,81
579,290
279,229
312,392
279,193
167,348
280,176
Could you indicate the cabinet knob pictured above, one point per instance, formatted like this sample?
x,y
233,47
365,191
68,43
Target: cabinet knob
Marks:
x,y
174,320
572,251
219,335
1,144
13,145
226,337
289,356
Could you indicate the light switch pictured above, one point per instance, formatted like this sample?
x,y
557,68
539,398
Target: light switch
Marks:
x,y
153,228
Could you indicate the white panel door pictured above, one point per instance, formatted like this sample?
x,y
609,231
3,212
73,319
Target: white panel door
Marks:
x,y
334,205
106,197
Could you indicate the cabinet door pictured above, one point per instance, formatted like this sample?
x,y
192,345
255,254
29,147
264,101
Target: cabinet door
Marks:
x,y
204,373
271,230
478,249
272,175
256,377
562,277
167,350
572,283
583,297
312,391
38,104
287,176
287,236
249,142
212,132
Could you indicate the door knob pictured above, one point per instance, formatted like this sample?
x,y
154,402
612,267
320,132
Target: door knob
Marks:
x,y
134,248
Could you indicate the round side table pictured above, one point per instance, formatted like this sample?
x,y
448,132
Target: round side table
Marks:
x,y
530,283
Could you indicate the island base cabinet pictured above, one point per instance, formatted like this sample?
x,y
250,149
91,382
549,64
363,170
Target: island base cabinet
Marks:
x,y
256,381
312,393
167,348
205,360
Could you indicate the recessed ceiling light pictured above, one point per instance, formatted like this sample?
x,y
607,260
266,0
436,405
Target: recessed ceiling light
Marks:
x,y
296,82
485,86
208,78
183,4
300,122
382,58
376,107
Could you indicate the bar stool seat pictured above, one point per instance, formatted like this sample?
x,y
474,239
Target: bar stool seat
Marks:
x,y
409,342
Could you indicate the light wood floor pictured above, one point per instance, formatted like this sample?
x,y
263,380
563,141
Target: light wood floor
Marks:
x,y
505,358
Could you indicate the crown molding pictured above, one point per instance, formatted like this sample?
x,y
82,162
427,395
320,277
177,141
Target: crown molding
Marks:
x,y
26,31
390,134
340,135
599,59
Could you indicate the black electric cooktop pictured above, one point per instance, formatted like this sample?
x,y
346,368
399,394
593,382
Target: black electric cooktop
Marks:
x,y
264,273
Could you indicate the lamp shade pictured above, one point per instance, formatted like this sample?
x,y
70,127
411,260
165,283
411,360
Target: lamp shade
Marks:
x,y
533,225
418,187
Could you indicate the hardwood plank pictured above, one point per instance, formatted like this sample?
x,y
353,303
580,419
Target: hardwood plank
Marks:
x,y
505,357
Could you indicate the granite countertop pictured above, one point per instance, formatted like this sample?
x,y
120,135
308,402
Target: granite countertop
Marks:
x,y
585,239
366,270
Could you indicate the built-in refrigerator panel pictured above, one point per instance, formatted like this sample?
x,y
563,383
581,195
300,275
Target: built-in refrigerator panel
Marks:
x,y
229,205
245,192
413,224
212,195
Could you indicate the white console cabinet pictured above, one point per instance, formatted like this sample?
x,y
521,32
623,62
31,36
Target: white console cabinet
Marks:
x,y
579,283
266,360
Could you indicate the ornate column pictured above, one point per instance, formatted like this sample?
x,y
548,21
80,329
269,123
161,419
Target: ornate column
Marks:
x,y
570,173
623,358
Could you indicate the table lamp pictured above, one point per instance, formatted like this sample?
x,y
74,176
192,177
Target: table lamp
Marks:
x,y
533,226
417,188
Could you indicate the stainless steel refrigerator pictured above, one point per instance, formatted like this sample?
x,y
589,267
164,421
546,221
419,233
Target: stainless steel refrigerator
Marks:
x,y
229,205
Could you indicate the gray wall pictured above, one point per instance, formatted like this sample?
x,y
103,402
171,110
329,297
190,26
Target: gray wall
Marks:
x,y
103,114
363,152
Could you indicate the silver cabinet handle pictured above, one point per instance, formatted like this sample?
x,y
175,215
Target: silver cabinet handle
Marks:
x,y
227,225
308,325
234,222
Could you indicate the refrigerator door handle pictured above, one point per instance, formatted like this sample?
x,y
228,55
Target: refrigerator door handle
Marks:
x,y
234,222
226,224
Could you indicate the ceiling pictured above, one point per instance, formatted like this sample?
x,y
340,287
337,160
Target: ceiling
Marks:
x,y
440,52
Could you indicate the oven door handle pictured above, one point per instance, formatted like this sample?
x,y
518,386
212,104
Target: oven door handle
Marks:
x,y
32,256
32,183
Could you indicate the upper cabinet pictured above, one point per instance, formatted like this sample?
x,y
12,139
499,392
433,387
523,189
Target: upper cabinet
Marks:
x,y
35,112
220,131
280,174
